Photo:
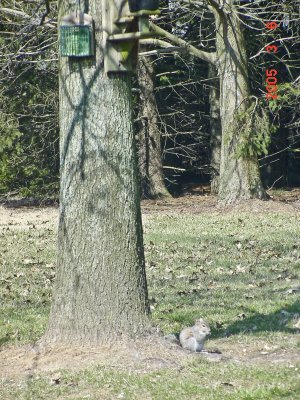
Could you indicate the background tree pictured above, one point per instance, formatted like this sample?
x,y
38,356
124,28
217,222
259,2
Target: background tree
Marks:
x,y
239,172
150,153
215,128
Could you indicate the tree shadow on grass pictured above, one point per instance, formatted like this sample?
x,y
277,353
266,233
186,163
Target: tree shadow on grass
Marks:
x,y
253,322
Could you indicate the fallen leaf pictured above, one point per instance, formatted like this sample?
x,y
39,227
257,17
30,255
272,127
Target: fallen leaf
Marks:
x,y
55,379
28,261
227,384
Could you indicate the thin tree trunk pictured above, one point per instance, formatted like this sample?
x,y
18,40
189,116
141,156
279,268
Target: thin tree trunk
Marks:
x,y
215,127
239,176
150,157
100,291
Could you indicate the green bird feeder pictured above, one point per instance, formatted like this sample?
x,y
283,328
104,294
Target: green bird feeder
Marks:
x,y
77,35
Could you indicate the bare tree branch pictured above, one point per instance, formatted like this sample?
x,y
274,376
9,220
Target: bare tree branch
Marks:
x,y
203,55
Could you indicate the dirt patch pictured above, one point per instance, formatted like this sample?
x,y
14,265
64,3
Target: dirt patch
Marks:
x,y
151,353
208,204
141,356
26,218
12,216
288,201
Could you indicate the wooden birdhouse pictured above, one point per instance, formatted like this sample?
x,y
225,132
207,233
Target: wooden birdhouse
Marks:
x,y
77,35
124,24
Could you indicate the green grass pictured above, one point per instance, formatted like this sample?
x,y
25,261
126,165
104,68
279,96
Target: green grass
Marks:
x,y
238,271
222,266
200,380
26,279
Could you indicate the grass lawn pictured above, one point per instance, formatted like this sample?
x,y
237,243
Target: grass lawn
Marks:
x,y
238,270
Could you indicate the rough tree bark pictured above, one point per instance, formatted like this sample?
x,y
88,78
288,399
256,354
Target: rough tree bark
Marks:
x,y
100,291
215,127
239,176
150,157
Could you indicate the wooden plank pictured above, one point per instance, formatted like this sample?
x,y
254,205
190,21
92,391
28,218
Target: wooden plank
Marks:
x,y
124,20
121,37
119,56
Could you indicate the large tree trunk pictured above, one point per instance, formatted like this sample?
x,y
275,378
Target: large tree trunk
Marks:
x,y
239,176
215,127
100,291
150,157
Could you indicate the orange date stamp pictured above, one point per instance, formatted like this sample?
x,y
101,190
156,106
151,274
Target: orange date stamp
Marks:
x,y
271,79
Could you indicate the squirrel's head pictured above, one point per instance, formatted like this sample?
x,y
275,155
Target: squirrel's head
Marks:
x,y
203,326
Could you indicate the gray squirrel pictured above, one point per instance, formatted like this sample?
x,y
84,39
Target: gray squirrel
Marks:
x,y
192,338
